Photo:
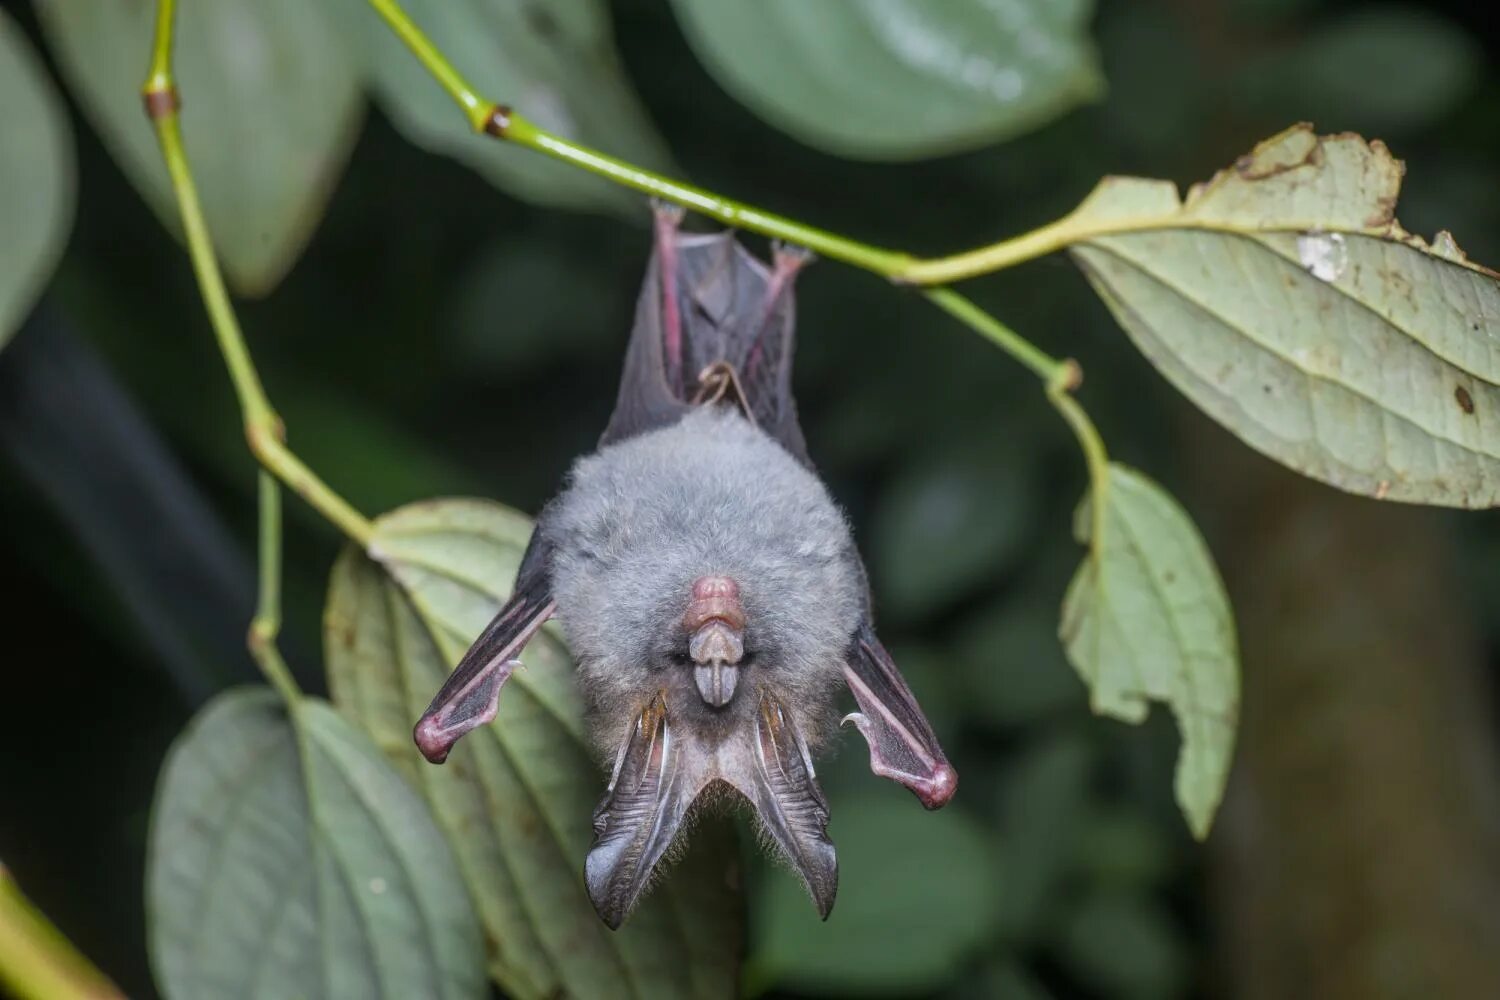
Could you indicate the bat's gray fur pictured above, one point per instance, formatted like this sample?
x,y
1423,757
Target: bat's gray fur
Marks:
x,y
640,520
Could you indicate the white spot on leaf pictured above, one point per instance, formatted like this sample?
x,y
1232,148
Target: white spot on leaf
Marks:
x,y
1323,254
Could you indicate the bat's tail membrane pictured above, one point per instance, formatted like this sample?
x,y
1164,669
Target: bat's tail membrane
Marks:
x,y
713,324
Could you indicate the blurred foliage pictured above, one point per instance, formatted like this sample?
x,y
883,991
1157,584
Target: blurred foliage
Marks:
x,y
274,108
440,335
36,200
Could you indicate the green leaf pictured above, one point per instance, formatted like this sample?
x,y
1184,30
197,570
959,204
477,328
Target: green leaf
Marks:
x,y
898,79
1377,67
554,63
1146,619
516,797
36,177
270,108
917,894
288,859
1285,300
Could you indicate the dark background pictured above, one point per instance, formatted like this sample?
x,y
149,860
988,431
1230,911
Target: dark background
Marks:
x,y
439,337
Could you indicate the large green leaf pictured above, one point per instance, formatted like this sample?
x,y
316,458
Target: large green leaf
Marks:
x,y
898,79
36,177
918,893
1284,299
287,859
553,62
516,797
1146,618
270,108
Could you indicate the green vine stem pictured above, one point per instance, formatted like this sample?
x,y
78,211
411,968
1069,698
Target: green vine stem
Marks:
x,y
1060,395
1060,377
263,429
502,122
36,961
266,625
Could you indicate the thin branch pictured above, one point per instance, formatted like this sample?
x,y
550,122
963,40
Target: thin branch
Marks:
x,y
263,429
266,625
500,121
1046,367
36,961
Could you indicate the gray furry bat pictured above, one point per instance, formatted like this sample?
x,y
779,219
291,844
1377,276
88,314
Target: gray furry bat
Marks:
x,y
708,586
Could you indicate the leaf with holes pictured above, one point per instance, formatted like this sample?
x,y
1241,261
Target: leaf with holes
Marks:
x,y
270,108
554,63
898,79
1146,619
516,797
36,177
288,859
1285,299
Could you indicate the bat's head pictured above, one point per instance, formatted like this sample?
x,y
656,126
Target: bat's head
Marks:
x,y
709,589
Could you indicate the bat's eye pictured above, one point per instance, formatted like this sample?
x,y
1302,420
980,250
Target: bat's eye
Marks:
x,y
680,658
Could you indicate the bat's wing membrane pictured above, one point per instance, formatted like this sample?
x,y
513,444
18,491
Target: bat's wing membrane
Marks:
x,y
468,699
903,746
707,303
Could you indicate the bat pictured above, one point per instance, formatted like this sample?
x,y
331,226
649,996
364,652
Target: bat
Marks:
x,y
708,586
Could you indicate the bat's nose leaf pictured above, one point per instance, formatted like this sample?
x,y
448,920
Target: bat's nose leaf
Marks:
x,y
716,682
785,792
639,816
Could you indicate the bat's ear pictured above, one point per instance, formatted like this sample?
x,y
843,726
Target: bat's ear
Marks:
x,y
903,746
649,794
779,781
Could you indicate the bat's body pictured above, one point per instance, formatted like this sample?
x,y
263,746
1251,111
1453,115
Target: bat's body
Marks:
x,y
708,585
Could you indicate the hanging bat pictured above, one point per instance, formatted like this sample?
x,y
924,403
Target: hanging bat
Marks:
x,y
708,586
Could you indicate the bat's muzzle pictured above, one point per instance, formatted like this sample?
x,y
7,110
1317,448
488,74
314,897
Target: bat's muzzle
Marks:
x,y
715,621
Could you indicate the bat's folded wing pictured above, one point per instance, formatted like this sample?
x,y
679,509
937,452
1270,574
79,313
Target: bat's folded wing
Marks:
x,y
903,746
470,696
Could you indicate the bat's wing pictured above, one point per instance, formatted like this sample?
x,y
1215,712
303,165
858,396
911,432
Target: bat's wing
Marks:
x,y
903,746
711,322
469,697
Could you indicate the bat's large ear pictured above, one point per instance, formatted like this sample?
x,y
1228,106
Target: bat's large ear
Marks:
x,y
649,793
470,696
903,746
782,786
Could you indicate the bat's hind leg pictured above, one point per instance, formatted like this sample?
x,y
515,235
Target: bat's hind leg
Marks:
x,y
667,218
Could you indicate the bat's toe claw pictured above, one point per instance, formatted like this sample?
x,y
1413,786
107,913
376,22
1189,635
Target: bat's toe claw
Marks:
x,y
790,256
668,213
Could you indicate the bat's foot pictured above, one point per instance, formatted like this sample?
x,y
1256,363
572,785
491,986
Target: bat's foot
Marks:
x,y
668,214
790,256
